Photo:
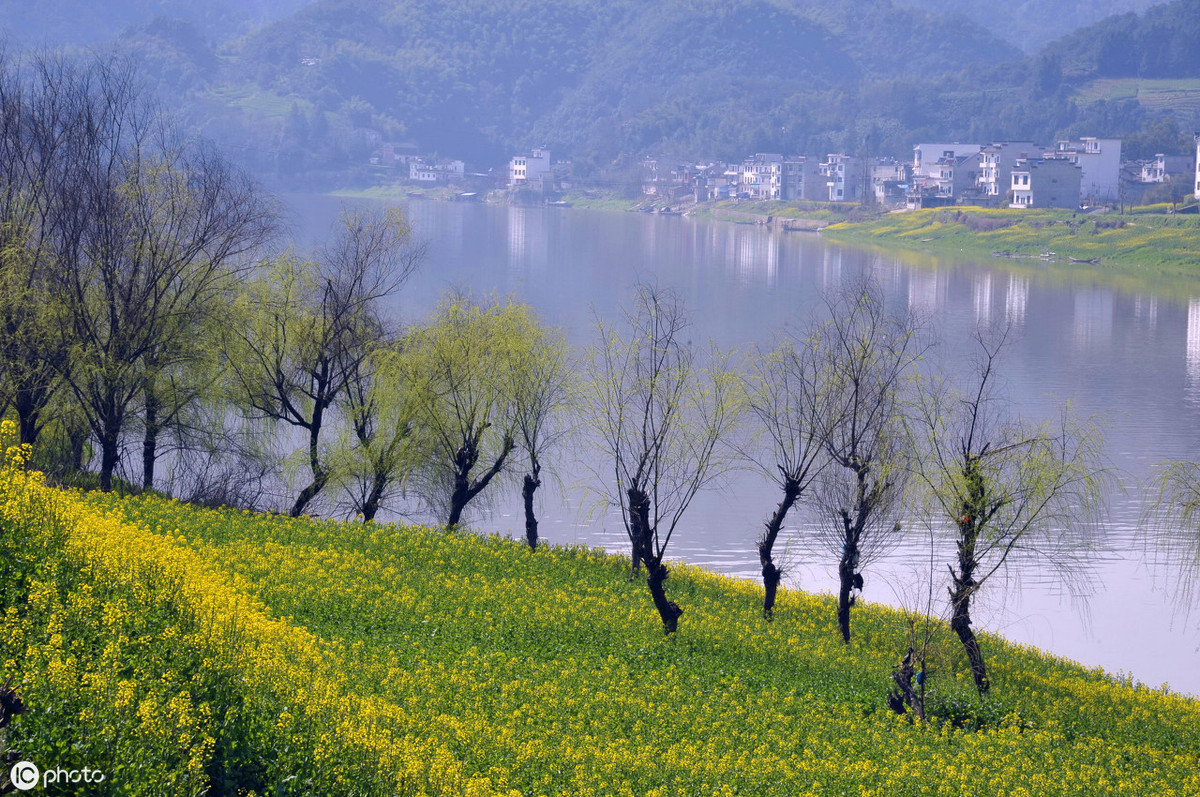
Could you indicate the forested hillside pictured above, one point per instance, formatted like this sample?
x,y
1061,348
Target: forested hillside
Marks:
x,y
1031,24
480,77
312,94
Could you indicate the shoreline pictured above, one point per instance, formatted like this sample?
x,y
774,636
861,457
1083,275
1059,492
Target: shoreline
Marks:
x,y
1144,248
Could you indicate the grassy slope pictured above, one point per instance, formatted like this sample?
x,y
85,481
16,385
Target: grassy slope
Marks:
x,y
548,673
1139,250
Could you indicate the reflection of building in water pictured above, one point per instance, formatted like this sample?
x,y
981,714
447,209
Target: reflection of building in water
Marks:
x,y
755,255
517,242
1193,341
831,268
528,241
926,291
890,274
1093,316
1015,299
1145,312
982,296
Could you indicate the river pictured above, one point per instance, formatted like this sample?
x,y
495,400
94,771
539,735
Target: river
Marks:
x,y
1130,358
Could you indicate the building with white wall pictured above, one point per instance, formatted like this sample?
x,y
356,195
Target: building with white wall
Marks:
x,y
1045,183
1197,166
1099,161
529,169
996,163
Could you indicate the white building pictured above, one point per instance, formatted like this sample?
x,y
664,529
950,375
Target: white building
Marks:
x,y
1099,162
1197,166
1045,183
928,158
996,164
841,177
531,169
421,171
1165,168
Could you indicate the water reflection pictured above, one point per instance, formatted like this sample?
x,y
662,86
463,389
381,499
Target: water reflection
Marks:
x,y
1015,299
1193,344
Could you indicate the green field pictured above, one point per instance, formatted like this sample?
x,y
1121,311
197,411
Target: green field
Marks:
x,y
1162,94
1147,249
188,651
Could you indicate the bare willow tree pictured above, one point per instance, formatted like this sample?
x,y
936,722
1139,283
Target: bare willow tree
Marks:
x,y
867,355
308,326
541,394
33,353
147,228
788,396
660,419
1007,487
1173,511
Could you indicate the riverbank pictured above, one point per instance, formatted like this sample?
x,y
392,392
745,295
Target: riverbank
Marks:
x,y
165,644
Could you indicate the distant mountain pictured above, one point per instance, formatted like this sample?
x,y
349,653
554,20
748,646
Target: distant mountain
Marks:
x,y
55,23
602,77
1164,42
1030,24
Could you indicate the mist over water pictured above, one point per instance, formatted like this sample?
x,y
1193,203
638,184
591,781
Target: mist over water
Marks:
x,y
1133,360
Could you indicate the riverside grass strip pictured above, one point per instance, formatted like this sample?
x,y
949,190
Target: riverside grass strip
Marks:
x,y
1141,249
375,659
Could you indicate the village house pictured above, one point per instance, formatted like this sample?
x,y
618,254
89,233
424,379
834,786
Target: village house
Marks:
x,y
437,173
1197,139
841,177
1099,161
1164,168
996,163
889,180
1045,183
942,173
533,170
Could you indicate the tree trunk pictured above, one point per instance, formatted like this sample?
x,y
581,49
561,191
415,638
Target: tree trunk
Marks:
x,y
669,611
639,530
320,477
370,506
960,623
532,482
28,417
150,441
770,572
848,579
109,456
973,517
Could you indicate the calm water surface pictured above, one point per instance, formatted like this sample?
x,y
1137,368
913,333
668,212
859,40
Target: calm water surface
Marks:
x,y
1132,359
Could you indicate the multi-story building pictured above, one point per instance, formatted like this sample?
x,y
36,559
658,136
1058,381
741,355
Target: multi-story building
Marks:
x,y
1099,161
941,173
441,172
531,169
841,177
1165,168
1197,138
995,167
1045,183
890,180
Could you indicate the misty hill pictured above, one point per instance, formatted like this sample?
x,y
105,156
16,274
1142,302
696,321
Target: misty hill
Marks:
x,y
484,76
54,23
1030,24
1164,42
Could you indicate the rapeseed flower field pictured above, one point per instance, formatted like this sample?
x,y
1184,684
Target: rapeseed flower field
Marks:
x,y
189,651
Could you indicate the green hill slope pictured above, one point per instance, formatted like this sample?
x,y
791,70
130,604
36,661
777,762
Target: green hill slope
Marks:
x,y
169,645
